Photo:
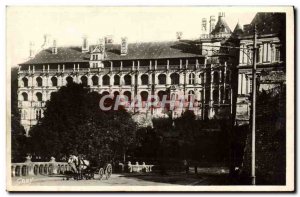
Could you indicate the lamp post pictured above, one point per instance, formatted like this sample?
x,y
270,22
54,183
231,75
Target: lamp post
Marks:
x,y
253,108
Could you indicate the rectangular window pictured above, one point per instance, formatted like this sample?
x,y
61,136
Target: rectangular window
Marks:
x,y
246,52
265,52
250,51
277,54
268,52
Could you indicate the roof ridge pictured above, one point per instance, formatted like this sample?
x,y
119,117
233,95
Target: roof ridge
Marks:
x,y
137,50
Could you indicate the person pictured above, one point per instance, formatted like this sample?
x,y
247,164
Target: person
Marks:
x,y
73,162
186,166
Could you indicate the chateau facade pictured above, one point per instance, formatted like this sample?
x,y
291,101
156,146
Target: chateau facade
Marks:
x,y
197,68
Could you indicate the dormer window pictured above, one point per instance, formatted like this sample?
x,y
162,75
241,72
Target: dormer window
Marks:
x,y
95,57
95,65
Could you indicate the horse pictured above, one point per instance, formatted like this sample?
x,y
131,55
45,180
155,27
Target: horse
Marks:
x,y
78,164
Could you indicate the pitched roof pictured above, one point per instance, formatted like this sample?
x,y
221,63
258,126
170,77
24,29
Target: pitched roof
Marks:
x,y
267,23
221,27
238,27
146,50
238,30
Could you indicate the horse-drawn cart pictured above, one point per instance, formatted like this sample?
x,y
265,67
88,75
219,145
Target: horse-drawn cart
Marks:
x,y
81,169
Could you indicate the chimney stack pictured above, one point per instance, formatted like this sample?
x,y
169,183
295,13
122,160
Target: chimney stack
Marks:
x,y
101,45
221,15
109,39
124,46
179,35
54,47
85,45
31,50
47,41
204,26
212,23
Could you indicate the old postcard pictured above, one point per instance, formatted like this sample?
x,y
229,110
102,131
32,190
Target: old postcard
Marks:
x,y
150,98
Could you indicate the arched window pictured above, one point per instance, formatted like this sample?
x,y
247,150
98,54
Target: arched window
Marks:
x,y
38,114
39,96
128,95
84,81
52,94
145,79
105,93
106,80
54,81
174,78
95,80
39,82
116,80
191,78
216,77
161,94
162,79
191,95
127,80
69,80
144,95
116,93
25,82
24,96
215,95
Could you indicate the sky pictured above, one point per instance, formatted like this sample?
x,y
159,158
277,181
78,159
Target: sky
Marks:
x,y
139,24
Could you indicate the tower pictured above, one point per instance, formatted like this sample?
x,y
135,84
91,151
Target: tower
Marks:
x,y
212,23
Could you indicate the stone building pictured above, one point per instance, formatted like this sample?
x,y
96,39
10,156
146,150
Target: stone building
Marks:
x,y
195,68
270,59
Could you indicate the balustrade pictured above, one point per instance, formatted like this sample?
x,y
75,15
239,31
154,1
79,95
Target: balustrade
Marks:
x,y
139,167
106,69
29,168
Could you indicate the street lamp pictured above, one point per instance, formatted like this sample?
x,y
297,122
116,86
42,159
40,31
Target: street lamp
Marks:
x,y
253,179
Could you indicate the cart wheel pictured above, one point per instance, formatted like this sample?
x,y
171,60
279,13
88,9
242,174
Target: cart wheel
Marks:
x,y
108,171
101,173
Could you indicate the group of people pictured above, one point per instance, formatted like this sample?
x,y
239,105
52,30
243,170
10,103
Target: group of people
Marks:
x,y
77,163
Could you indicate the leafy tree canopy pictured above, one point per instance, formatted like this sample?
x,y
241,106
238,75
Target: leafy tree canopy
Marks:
x,y
18,139
74,123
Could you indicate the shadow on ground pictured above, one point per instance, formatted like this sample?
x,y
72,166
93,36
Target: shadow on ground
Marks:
x,y
203,177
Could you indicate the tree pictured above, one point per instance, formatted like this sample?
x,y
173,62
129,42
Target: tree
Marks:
x,y
18,139
74,123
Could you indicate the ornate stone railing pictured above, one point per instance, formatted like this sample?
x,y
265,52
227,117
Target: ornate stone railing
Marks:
x,y
139,167
29,168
